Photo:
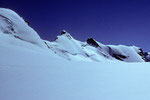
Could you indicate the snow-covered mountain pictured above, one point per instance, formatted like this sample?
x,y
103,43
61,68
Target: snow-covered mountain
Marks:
x,y
68,47
67,69
14,31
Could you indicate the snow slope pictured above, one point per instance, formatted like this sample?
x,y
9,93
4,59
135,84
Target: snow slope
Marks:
x,y
28,75
67,69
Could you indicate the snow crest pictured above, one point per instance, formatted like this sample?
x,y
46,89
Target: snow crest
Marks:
x,y
14,31
12,24
69,48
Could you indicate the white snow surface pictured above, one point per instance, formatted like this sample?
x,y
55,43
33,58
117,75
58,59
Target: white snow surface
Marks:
x,y
68,47
66,69
15,31
30,75
14,25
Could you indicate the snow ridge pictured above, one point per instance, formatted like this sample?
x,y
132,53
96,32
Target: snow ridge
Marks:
x,y
14,31
14,25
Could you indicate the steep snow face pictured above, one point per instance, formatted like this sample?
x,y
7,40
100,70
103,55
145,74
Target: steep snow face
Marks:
x,y
12,25
66,46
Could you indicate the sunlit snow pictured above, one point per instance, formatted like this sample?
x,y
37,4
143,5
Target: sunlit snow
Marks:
x,y
66,69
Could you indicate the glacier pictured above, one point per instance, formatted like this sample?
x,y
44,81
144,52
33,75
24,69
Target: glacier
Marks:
x,y
67,69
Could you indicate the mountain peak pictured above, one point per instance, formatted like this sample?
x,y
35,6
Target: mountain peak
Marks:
x,y
63,32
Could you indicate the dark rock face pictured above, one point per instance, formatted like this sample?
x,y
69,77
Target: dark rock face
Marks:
x,y
118,56
145,56
27,22
63,32
92,42
141,53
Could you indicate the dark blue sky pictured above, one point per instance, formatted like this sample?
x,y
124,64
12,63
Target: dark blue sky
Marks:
x,y
108,21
